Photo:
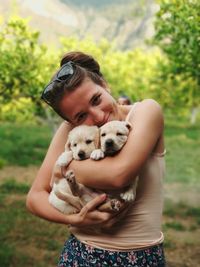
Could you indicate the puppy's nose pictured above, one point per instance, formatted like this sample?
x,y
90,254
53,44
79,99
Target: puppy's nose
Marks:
x,y
109,143
81,154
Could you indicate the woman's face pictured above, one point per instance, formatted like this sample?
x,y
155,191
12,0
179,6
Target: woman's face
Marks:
x,y
89,104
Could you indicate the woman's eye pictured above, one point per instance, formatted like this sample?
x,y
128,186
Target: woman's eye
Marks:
x,y
81,117
96,100
88,142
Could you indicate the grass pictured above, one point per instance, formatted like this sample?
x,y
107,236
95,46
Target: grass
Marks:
x,y
25,239
23,144
30,241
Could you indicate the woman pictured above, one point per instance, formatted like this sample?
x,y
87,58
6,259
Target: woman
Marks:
x,y
80,95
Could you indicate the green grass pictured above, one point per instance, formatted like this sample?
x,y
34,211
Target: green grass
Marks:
x,y
25,239
27,144
23,144
183,153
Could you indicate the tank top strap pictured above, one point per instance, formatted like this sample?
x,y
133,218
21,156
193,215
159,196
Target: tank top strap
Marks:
x,y
131,111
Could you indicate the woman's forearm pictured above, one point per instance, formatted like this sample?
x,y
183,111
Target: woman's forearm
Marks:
x,y
38,204
108,173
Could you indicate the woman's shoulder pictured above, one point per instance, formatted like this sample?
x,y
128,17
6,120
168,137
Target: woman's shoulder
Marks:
x,y
149,102
146,109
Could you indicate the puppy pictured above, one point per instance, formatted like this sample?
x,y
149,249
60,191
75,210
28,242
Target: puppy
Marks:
x,y
83,141
113,136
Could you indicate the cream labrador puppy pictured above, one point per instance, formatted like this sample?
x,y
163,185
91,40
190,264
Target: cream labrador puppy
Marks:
x,y
84,142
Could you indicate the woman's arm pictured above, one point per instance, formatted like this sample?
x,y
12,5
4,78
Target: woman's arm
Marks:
x,y
116,172
37,198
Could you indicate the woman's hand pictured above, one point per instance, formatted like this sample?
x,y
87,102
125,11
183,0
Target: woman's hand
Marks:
x,y
89,215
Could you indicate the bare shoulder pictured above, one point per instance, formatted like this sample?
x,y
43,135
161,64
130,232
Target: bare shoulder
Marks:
x,y
151,105
148,114
149,108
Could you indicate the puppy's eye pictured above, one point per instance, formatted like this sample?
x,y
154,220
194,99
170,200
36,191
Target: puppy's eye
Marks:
x,y
75,144
88,141
119,134
103,134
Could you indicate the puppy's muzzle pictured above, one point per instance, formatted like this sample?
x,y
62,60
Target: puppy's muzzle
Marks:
x,y
81,154
109,143
110,147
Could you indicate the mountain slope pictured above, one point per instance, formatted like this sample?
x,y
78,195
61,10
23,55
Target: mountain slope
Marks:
x,y
127,22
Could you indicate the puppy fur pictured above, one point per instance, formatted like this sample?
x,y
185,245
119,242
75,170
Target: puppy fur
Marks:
x,y
84,142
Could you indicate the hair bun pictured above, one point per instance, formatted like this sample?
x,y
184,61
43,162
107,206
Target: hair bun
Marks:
x,y
83,60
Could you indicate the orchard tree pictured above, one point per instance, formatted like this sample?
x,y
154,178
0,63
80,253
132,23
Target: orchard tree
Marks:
x,y
177,29
24,69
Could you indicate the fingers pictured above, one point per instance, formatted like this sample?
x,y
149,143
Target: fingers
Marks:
x,y
117,217
92,204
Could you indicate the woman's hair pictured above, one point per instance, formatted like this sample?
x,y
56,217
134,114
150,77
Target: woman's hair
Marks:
x,y
85,66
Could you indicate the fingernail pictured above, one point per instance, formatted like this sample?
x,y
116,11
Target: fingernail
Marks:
x,y
104,196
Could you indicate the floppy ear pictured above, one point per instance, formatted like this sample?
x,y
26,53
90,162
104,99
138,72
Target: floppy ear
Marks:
x,y
67,146
128,125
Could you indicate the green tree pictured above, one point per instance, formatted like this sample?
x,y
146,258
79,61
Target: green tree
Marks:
x,y
177,28
24,68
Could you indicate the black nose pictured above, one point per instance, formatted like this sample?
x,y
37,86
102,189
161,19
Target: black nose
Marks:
x,y
81,154
109,143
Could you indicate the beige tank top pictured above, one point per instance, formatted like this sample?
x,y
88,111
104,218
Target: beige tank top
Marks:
x,y
141,226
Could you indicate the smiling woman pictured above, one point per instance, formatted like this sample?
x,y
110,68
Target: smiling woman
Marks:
x,y
80,95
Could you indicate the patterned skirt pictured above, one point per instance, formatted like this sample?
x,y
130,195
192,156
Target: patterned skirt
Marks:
x,y
77,254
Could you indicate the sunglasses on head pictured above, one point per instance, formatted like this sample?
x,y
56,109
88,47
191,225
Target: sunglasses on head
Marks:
x,y
64,73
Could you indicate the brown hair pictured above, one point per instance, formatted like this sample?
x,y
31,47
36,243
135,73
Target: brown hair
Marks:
x,y
84,66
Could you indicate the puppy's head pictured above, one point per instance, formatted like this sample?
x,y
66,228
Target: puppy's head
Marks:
x,y
113,135
82,140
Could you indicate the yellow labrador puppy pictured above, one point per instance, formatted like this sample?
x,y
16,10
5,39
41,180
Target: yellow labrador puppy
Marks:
x,y
88,142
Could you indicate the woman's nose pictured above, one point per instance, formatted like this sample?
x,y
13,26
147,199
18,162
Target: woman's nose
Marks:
x,y
97,116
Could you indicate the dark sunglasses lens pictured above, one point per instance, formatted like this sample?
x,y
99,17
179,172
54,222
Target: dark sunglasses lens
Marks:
x,y
47,93
65,71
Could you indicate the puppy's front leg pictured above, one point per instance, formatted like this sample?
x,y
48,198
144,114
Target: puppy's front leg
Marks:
x,y
65,158
97,154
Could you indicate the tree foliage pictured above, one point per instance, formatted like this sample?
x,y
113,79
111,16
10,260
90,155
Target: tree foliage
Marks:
x,y
24,67
177,30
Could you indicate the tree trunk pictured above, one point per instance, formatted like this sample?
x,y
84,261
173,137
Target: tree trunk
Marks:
x,y
193,115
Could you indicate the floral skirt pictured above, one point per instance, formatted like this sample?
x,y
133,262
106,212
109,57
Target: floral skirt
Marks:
x,y
77,254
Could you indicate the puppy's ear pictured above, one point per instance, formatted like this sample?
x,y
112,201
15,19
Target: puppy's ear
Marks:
x,y
128,125
67,146
97,138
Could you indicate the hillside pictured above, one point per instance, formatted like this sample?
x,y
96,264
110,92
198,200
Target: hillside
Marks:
x,y
127,22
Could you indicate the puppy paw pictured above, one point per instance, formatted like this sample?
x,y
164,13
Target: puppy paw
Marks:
x,y
116,204
128,196
97,154
65,158
70,177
